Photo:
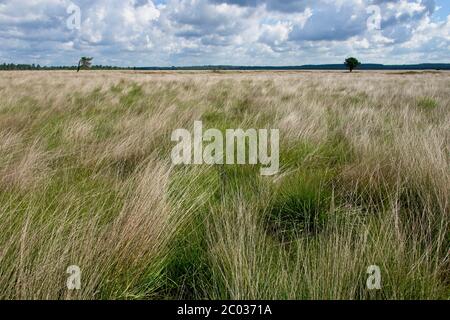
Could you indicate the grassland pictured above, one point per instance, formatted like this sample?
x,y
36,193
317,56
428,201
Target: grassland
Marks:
x,y
86,179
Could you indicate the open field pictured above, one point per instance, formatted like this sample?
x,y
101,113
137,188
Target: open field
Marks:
x,y
86,179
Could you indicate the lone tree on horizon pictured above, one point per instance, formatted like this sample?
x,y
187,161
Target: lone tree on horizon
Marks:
x,y
84,62
352,63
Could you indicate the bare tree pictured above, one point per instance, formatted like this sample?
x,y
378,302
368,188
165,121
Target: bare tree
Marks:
x,y
85,62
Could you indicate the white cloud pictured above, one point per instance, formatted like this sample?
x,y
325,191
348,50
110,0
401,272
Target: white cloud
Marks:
x,y
143,32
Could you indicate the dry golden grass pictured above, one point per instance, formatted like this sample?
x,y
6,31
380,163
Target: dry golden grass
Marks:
x,y
86,179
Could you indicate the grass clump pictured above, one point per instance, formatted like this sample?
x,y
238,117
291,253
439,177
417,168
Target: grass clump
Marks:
x,y
427,103
301,202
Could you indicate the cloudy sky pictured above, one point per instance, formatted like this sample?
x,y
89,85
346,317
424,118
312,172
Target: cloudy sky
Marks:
x,y
231,32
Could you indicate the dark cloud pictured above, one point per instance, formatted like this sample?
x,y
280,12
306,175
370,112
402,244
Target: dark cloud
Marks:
x,y
207,23
328,23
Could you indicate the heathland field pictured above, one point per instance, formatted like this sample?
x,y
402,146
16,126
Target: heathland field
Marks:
x,y
86,179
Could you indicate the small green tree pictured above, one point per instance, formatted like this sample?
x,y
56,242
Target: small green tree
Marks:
x,y
85,63
352,63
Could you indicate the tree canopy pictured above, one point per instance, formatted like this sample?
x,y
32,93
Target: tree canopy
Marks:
x,y
352,63
85,62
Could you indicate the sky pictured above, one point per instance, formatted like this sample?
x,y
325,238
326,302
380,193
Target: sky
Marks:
x,y
224,32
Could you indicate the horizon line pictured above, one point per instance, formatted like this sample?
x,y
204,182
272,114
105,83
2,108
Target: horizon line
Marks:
x,y
433,65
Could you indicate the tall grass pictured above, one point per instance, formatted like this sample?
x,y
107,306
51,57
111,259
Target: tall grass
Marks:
x,y
86,179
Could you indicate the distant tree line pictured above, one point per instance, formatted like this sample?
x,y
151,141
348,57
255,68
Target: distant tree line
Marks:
x,y
365,66
425,66
13,66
